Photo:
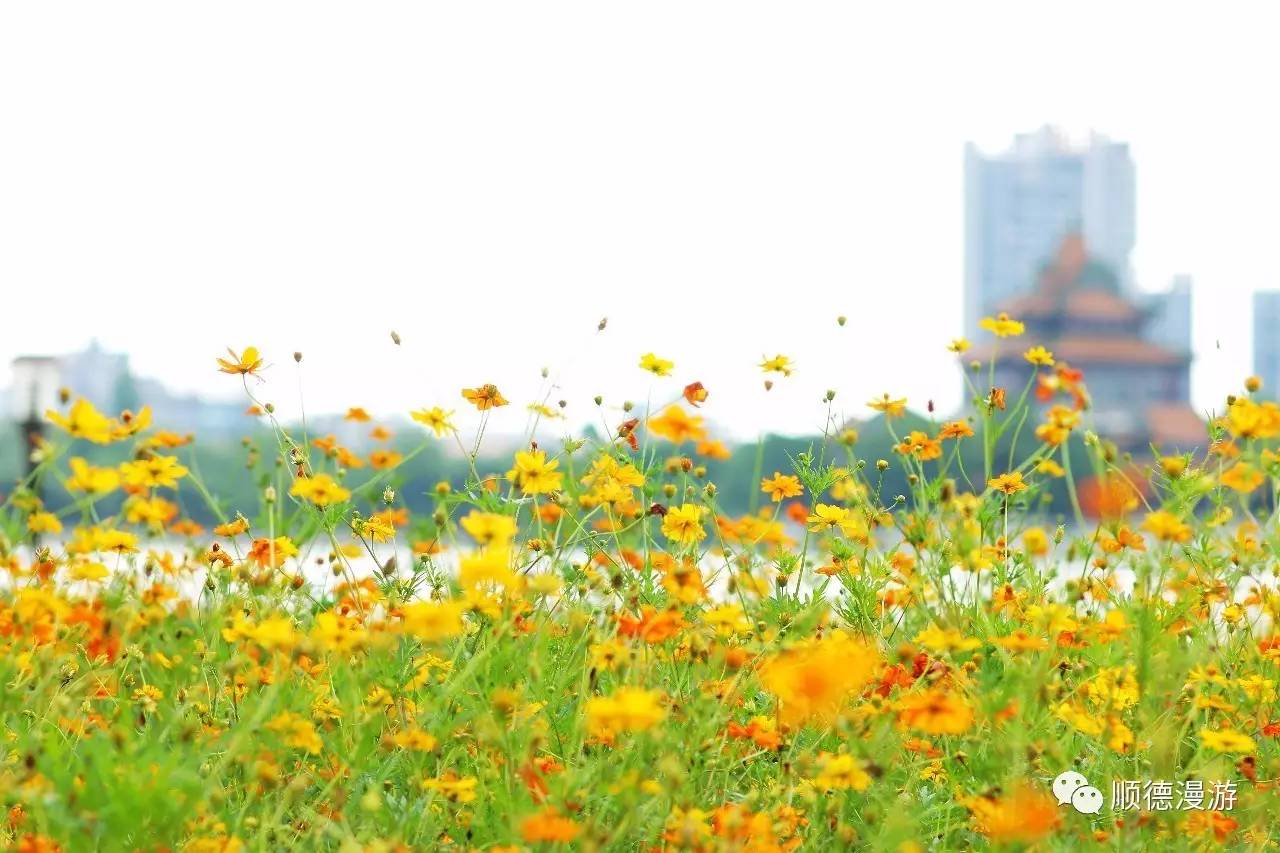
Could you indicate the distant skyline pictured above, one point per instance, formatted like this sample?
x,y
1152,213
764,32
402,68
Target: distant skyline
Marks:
x,y
721,180
1021,202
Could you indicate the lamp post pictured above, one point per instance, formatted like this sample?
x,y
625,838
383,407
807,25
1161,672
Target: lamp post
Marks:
x,y
35,384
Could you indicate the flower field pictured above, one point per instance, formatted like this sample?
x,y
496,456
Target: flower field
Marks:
x,y
583,649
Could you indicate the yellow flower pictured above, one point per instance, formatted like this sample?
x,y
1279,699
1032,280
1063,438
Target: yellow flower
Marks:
x,y
298,732
891,408
1053,469
454,788
412,739
937,639
777,364
656,366
1001,326
1010,483
435,418
43,522
489,566
84,421
434,620
629,709
153,472
245,364
489,527
1040,356
533,474
322,490
959,346
1166,526
1227,740
90,479
683,524
830,517
840,772
87,571
1036,541
781,486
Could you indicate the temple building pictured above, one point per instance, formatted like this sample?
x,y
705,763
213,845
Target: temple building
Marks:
x,y
1139,390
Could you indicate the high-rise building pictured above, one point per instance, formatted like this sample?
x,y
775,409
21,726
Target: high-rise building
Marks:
x,y
1169,315
1020,204
1266,340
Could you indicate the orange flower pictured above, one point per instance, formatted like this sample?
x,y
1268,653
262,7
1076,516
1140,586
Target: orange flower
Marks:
x,y
1243,478
485,397
271,553
676,425
1024,816
357,414
653,626
781,486
713,449
695,393
816,680
955,429
937,712
549,827
1010,483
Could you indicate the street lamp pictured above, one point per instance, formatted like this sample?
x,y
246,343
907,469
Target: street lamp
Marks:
x,y
35,391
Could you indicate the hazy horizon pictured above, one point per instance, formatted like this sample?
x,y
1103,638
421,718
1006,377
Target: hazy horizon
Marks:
x,y
175,180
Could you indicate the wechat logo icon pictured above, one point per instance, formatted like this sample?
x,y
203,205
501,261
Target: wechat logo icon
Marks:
x,y
1071,787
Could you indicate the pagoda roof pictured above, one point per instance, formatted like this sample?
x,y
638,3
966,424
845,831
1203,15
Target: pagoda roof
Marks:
x,y
1083,303
1082,350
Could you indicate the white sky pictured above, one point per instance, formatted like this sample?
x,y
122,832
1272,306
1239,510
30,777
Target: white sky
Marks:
x,y
721,179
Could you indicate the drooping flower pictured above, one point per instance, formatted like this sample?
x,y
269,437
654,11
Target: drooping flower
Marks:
x,y
695,394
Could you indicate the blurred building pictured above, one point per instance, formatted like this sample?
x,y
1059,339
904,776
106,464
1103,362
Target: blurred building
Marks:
x,y
1138,388
1266,340
104,379
1169,315
1021,203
